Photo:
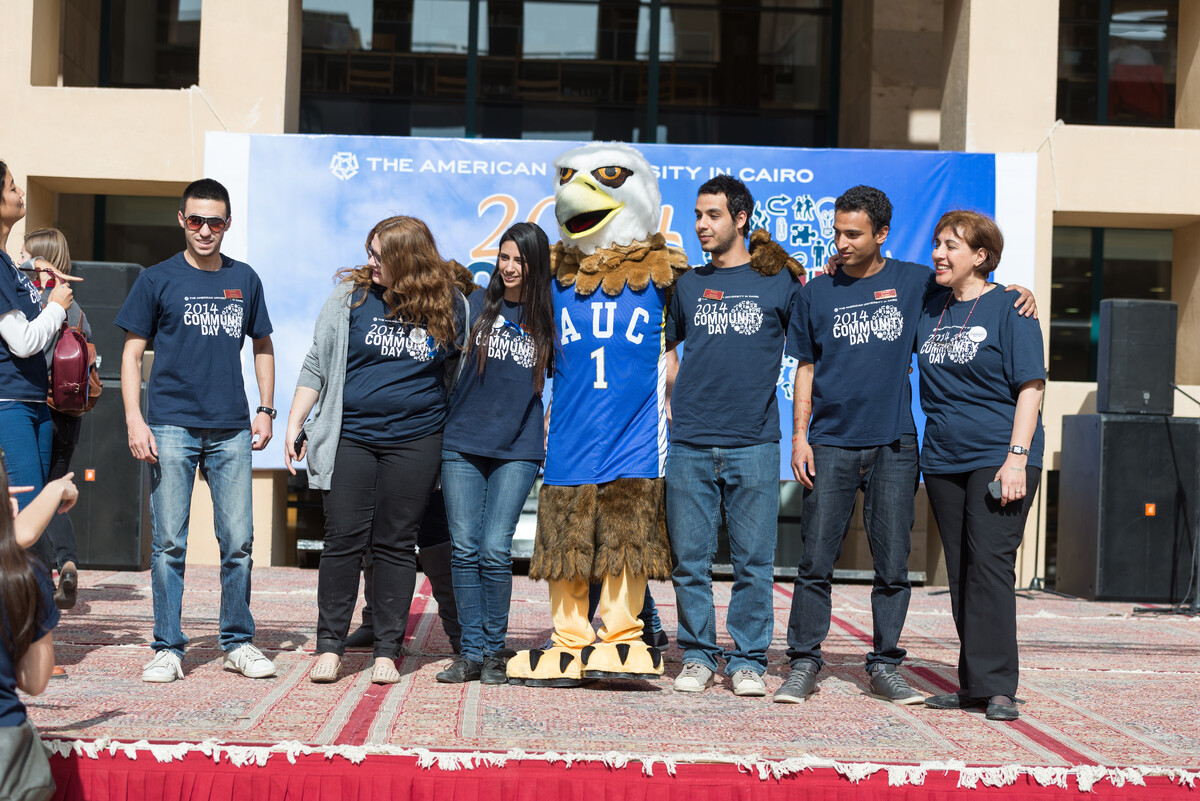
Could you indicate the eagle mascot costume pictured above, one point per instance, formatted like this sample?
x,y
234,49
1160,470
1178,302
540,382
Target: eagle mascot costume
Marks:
x,y
601,512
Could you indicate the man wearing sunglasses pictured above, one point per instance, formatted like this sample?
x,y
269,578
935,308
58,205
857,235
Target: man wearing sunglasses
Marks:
x,y
199,306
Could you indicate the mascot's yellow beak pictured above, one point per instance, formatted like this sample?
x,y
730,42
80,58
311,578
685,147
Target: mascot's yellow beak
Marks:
x,y
582,207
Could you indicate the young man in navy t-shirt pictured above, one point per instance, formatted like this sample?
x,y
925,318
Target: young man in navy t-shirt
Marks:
x,y
853,334
732,316
198,307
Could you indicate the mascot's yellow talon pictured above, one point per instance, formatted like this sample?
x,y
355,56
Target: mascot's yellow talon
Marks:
x,y
622,660
556,667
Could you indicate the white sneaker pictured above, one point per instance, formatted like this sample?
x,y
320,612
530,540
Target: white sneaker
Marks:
x,y
250,662
164,667
748,683
694,678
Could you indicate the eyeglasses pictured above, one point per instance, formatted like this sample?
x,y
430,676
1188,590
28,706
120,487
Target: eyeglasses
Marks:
x,y
371,254
195,222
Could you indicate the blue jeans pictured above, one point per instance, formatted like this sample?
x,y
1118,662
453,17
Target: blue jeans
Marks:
x,y
484,497
223,457
748,481
887,475
25,436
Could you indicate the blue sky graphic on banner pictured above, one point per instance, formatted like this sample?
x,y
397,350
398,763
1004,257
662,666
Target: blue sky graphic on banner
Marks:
x,y
309,202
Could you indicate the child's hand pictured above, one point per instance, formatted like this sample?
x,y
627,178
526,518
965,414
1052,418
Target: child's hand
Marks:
x,y
70,493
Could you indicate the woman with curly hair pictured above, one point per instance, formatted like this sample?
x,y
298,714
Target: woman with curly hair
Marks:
x,y
375,375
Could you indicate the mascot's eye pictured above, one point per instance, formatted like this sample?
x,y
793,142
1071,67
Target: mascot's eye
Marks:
x,y
612,176
565,174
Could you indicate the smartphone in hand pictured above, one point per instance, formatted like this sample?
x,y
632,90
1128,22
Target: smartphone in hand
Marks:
x,y
301,438
994,488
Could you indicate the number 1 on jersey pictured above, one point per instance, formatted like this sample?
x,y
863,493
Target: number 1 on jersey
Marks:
x,y
598,357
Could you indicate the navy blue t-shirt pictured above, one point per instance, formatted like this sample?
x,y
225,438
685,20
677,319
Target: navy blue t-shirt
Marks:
x,y
394,389
734,321
21,379
12,711
198,320
496,413
973,357
858,334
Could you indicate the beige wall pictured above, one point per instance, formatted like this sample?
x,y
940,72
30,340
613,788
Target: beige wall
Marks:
x,y
891,78
1001,79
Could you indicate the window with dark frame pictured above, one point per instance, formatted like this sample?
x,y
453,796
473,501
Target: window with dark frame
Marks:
x,y
1088,266
1117,62
683,71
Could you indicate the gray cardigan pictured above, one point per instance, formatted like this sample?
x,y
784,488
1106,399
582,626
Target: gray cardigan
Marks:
x,y
324,370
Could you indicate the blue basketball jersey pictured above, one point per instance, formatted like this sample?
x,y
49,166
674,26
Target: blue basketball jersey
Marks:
x,y
608,416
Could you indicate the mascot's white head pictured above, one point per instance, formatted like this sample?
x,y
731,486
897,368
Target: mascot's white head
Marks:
x,y
606,195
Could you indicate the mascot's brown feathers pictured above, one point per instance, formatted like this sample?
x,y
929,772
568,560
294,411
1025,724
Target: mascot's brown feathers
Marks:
x,y
611,268
767,257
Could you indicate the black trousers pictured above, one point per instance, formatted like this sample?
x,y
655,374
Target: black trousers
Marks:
x,y
58,547
980,539
376,499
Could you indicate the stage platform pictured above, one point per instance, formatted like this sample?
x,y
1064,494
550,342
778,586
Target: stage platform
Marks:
x,y
1112,708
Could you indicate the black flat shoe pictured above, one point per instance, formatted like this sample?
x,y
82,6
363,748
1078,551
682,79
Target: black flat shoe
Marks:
x,y
1001,710
954,701
462,670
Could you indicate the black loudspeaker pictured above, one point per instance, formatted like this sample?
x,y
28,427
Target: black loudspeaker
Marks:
x,y
1129,492
101,294
1135,367
114,495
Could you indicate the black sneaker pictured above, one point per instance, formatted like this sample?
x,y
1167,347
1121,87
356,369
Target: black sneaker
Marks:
x,y
68,583
888,685
493,671
800,684
461,670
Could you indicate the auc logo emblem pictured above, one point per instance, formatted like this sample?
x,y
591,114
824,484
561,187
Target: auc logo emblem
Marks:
x,y
344,166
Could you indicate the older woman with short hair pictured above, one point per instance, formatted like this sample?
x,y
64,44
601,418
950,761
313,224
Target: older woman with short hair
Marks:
x,y
982,375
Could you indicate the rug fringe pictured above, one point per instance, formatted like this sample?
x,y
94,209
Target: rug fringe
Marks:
x,y
969,777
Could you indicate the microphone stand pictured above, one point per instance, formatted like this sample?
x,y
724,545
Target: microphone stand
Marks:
x,y
1184,607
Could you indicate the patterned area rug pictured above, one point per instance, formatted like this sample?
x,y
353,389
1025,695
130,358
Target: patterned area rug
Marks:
x,y
1102,687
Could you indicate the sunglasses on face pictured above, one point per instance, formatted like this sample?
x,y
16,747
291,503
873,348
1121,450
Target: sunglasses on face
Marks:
x,y
195,222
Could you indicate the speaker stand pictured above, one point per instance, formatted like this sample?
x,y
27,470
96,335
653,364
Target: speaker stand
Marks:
x,y
1190,609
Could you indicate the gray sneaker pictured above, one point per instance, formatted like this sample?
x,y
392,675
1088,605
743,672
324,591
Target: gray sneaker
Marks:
x,y
800,684
887,684
748,684
694,678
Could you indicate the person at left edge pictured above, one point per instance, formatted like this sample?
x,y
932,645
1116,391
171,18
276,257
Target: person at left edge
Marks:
x,y
199,306
25,330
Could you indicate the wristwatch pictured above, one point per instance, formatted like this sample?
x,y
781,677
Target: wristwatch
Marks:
x,y
1017,449
269,411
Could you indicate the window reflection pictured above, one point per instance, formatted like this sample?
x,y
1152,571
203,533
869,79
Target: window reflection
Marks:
x,y
1119,69
752,73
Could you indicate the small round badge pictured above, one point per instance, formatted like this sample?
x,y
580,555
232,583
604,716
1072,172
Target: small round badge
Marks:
x,y
977,333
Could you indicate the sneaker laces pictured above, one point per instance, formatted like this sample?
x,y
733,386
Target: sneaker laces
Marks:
x,y
695,670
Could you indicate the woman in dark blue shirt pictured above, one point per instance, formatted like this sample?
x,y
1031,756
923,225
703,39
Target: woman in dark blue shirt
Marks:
x,y
494,442
25,330
376,368
982,377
